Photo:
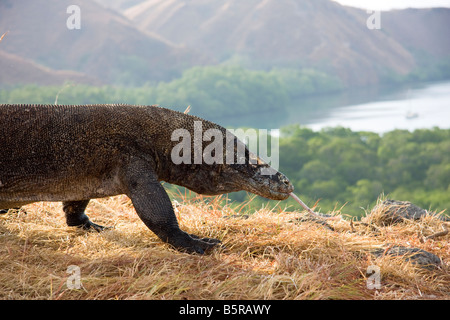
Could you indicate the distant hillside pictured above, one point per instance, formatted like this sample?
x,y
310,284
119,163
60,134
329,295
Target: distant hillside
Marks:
x,y
422,31
107,46
130,42
318,33
17,70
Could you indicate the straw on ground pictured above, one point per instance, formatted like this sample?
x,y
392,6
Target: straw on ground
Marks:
x,y
267,255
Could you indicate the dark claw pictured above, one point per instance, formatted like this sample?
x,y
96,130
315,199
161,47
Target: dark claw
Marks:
x,y
93,226
191,243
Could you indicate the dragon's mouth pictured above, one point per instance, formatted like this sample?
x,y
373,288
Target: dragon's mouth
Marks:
x,y
275,195
281,191
271,192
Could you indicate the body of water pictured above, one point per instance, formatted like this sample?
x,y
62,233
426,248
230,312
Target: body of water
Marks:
x,y
366,109
415,108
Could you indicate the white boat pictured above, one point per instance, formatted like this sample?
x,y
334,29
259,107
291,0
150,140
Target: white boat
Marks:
x,y
411,115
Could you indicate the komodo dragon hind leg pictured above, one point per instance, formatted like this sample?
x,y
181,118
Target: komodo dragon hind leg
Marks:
x,y
75,216
155,209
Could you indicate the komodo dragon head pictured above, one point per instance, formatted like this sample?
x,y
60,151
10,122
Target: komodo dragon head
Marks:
x,y
246,171
218,179
258,177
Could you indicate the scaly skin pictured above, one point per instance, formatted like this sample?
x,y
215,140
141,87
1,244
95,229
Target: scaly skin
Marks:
x,y
76,153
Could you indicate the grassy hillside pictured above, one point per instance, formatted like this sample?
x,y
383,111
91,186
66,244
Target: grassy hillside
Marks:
x,y
266,256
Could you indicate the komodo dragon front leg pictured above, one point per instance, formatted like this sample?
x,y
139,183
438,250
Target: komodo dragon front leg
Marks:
x,y
154,207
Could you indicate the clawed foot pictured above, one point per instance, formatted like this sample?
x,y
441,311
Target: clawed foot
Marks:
x,y
191,243
93,226
87,224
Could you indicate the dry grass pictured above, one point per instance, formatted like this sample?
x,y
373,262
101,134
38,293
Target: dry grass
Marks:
x,y
267,256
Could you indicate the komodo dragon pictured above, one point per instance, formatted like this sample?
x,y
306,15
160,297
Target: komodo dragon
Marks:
x,y
75,153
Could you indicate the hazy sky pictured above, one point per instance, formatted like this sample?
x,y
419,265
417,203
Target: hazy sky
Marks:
x,y
395,4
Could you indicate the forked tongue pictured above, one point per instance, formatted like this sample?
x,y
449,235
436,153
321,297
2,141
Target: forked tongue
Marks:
x,y
304,205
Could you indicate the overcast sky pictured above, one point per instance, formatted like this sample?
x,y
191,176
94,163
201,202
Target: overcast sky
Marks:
x,y
394,4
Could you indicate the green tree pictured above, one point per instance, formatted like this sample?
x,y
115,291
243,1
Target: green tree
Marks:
x,y
438,176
